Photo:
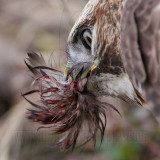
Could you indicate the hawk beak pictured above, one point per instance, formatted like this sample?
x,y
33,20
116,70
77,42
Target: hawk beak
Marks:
x,y
80,70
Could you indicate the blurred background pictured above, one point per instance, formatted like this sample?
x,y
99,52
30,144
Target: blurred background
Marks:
x,y
43,27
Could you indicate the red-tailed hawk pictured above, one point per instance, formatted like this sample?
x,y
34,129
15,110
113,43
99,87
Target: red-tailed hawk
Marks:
x,y
113,50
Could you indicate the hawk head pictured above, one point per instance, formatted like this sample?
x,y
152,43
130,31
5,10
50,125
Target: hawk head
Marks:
x,y
95,40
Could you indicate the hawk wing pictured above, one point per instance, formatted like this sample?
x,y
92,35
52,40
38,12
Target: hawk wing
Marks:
x,y
140,42
141,39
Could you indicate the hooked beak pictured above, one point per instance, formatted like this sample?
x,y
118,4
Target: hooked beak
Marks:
x,y
81,70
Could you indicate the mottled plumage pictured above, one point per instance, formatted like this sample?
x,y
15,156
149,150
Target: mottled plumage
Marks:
x,y
140,45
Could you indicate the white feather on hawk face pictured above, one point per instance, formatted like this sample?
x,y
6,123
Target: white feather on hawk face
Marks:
x,y
113,49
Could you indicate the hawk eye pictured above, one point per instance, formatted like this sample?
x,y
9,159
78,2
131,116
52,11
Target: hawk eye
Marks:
x,y
86,38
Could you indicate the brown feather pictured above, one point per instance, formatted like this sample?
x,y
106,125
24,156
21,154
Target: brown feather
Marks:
x,y
65,108
140,26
